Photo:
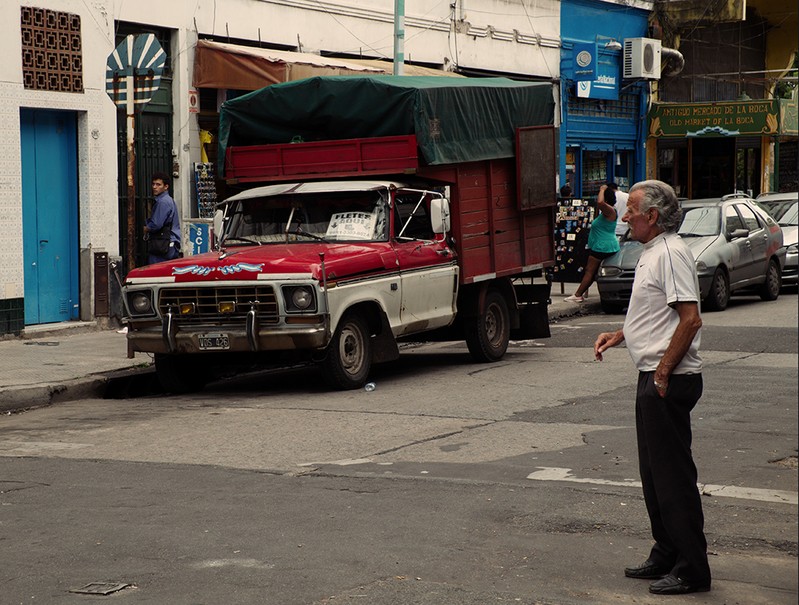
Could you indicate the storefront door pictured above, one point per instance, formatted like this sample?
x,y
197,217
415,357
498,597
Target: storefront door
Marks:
x,y
713,167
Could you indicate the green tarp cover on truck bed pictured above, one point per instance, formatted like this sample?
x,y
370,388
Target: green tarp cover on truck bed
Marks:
x,y
454,120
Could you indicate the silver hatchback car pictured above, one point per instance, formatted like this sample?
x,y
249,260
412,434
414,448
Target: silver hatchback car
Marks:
x,y
737,246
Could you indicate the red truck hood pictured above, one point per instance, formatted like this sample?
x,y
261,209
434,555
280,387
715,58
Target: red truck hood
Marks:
x,y
247,263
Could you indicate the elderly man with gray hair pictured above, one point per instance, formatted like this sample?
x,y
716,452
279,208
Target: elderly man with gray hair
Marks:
x,y
662,331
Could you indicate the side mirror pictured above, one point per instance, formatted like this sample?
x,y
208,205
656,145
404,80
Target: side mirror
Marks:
x,y
219,220
738,233
439,215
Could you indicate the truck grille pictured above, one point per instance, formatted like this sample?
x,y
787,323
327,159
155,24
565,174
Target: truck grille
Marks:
x,y
206,303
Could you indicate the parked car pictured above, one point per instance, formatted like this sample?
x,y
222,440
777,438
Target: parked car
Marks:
x,y
784,207
737,246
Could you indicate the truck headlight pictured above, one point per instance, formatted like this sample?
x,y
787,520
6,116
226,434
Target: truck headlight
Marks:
x,y
299,298
140,302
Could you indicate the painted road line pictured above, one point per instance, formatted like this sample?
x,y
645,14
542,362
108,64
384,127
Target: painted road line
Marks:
x,y
724,491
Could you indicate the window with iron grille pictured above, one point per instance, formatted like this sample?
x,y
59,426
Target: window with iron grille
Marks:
x,y
626,107
52,53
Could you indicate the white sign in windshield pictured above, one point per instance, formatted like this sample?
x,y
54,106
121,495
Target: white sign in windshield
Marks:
x,y
351,225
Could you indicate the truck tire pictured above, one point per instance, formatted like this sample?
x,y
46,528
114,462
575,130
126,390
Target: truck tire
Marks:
x,y
179,373
349,355
488,334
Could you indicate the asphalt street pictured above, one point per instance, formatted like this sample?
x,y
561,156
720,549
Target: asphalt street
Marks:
x,y
450,483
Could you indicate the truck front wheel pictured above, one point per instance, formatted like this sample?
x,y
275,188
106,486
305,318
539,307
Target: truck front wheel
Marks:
x,y
488,334
349,356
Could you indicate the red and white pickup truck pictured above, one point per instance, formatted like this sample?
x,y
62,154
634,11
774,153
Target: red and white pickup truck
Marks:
x,y
336,271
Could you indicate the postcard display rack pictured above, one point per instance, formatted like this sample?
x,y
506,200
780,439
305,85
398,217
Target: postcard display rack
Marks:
x,y
205,188
572,223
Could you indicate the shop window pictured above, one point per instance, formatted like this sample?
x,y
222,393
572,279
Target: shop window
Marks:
x,y
626,107
788,166
672,168
747,170
595,172
713,167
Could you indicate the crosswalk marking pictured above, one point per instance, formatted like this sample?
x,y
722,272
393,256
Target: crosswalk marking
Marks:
x,y
549,473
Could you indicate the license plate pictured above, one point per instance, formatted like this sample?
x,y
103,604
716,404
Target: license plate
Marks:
x,y
213,342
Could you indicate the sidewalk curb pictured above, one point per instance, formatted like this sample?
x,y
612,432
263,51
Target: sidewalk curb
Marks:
x,y
21,398
29,397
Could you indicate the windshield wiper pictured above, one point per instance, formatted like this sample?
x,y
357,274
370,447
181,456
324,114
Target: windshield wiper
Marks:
x,y
241,239
300,231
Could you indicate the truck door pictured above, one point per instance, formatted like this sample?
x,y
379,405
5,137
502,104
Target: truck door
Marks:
x,y
428,270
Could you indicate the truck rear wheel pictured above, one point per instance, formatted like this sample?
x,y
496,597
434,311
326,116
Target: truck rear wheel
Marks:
x,y
179,373
488,334
349,355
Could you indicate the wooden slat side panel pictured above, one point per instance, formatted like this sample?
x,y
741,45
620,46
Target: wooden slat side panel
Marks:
x,y
488,225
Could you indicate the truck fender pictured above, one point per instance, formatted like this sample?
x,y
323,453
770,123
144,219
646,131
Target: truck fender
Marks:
x,y
384,345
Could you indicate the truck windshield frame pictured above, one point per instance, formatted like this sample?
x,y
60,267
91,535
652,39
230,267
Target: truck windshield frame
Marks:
x,y
351,216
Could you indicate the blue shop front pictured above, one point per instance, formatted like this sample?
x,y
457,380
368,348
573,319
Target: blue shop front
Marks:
x,y
603,115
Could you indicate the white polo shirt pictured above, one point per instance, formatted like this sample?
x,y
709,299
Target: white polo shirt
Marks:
x,y
665,274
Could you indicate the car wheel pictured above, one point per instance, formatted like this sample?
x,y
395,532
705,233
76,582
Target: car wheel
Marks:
x,y
349,355
180,373
719,295
770,289
611,308
488,334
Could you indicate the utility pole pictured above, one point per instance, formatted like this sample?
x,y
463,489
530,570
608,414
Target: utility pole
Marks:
x,y
399,36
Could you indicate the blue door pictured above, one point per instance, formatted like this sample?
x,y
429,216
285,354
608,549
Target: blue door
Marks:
x,y
50,215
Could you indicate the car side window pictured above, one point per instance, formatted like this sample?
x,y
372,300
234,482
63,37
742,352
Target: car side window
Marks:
x,y
749,217
732,220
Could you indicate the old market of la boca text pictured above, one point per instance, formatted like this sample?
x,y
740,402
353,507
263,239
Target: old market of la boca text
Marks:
x,y
710,149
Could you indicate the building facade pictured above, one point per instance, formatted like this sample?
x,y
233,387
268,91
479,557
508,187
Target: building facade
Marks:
x,y
603,114
727,121
71,204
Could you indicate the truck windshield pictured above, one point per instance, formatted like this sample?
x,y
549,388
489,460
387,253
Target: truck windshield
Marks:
x,y
330,217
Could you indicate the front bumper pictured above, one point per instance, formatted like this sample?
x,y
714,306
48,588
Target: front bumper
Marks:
x,y
160,339
615,291
244,317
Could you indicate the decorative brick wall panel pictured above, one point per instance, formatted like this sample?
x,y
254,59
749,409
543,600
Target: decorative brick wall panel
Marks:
x,y
52,53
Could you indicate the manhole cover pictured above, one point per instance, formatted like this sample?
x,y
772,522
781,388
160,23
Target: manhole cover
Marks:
x,y
101,588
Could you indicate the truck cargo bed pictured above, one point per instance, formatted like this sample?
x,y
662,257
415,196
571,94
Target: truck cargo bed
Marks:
x,y
349,157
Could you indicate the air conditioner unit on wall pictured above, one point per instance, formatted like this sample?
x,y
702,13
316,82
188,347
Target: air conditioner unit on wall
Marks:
x,y
642,58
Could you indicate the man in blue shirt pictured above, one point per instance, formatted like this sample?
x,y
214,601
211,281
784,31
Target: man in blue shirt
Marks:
x,y
164,213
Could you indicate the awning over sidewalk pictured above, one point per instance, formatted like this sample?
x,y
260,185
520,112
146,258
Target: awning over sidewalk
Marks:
x,y
235,67
407,69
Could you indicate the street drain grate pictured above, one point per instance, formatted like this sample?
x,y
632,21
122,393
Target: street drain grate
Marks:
x,y
100,588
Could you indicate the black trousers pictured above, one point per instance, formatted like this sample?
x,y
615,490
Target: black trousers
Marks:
x,y
668,474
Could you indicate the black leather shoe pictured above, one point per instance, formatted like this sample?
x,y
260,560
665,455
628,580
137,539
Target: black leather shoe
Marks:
x,y
674,585
648,570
